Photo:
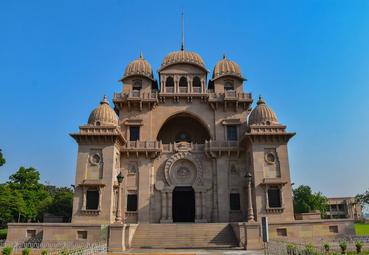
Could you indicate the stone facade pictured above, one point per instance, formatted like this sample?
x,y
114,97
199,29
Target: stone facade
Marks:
x,y
187,141
344,208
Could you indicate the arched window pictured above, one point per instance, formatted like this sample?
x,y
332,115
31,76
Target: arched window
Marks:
x,y
228,85
169,82
183,82
137,85
196,82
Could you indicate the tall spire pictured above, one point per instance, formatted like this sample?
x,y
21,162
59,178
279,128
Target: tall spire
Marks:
x,y
182,45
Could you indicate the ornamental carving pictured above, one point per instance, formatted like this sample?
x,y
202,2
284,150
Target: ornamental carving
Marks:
x,y
183,169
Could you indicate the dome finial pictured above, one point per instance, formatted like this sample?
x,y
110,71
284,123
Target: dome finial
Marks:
x,y
224,56
182,45
261,100
141,56
104,100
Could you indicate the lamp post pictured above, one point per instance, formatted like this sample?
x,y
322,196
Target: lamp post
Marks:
x,y
250,210
118,214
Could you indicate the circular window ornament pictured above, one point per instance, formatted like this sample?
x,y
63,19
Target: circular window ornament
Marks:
x,y
95,159
270,158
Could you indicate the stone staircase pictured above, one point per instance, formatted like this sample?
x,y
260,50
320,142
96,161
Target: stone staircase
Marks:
x,y
184,235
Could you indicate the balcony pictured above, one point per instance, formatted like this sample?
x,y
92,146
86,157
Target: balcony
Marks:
x,y
230,95
216,148
183,89
149,148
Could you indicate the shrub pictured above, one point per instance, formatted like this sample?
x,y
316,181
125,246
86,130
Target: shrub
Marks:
x,y
326,247
359,246
291,249
26,251
310,250
3,233
44,252
343,246
7,250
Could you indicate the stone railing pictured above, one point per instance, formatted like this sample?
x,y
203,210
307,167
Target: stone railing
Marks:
x,y
136,95
142,146
196,89
229,95
169,89
183,89
216,145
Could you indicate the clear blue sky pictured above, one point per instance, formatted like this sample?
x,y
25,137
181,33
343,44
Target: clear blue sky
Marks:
x,y
309,59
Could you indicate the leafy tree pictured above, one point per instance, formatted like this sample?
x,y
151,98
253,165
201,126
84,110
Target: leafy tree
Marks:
x,y
305,200
363,199
62,202
2,159
11,204
35,197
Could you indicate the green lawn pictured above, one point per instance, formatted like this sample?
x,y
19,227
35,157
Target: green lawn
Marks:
x,y
362,229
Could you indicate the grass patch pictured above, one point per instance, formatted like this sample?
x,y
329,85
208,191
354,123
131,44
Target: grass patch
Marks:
x,y
3,233
362,229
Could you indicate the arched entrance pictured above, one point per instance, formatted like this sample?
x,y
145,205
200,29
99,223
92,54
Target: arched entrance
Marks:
x,y
183,204
183,127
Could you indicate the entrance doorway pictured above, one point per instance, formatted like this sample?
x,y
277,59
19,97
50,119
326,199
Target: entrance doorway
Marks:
x,y
183,204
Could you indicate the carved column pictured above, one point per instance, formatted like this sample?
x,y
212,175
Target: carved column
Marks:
x,y
250,210
198,206
163,206
118,215
100,199
84,198
169,196
266,198
203,212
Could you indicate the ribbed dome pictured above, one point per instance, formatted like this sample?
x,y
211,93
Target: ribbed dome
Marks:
x,y
183,56
262,114
226,67
103,115
139,66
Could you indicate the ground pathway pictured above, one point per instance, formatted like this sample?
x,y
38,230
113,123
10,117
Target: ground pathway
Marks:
x,y
188,252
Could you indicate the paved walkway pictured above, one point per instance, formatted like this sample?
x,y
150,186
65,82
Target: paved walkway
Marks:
x,y
189,252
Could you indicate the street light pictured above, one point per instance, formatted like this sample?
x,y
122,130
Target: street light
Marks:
x,y
250,210
118,214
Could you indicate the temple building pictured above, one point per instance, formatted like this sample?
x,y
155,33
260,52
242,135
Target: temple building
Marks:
x,y
187,149
185,160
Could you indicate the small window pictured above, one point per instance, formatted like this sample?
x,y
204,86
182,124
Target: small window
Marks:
x,y
132,203
31,233
169,82
341,207
274,197
183,82
333,229
228,85
82,235
234,200
137,85
196,82
92,197
134,133
281,231
232,133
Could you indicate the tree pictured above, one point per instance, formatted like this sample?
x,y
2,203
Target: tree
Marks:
x,y
2,159
363,199
36,199
304,200
62,202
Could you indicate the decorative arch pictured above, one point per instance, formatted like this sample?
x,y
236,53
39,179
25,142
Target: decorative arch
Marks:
x,y
196,82
169,82
196,130
183,82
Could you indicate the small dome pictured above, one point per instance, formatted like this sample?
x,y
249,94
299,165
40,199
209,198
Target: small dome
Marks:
x,y
226,67
139,66
262,114
103,115
183,56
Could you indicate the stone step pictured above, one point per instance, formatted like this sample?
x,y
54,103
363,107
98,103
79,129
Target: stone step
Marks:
x,y
184,235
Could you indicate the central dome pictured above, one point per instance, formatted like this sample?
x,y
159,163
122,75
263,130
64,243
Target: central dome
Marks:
x,y
182,56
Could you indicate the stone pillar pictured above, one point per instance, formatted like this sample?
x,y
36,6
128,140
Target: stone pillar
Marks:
x,y
197,206
118,215
170,200
281,194
203,212
266,198
250,210
84,197
100,199
163,206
